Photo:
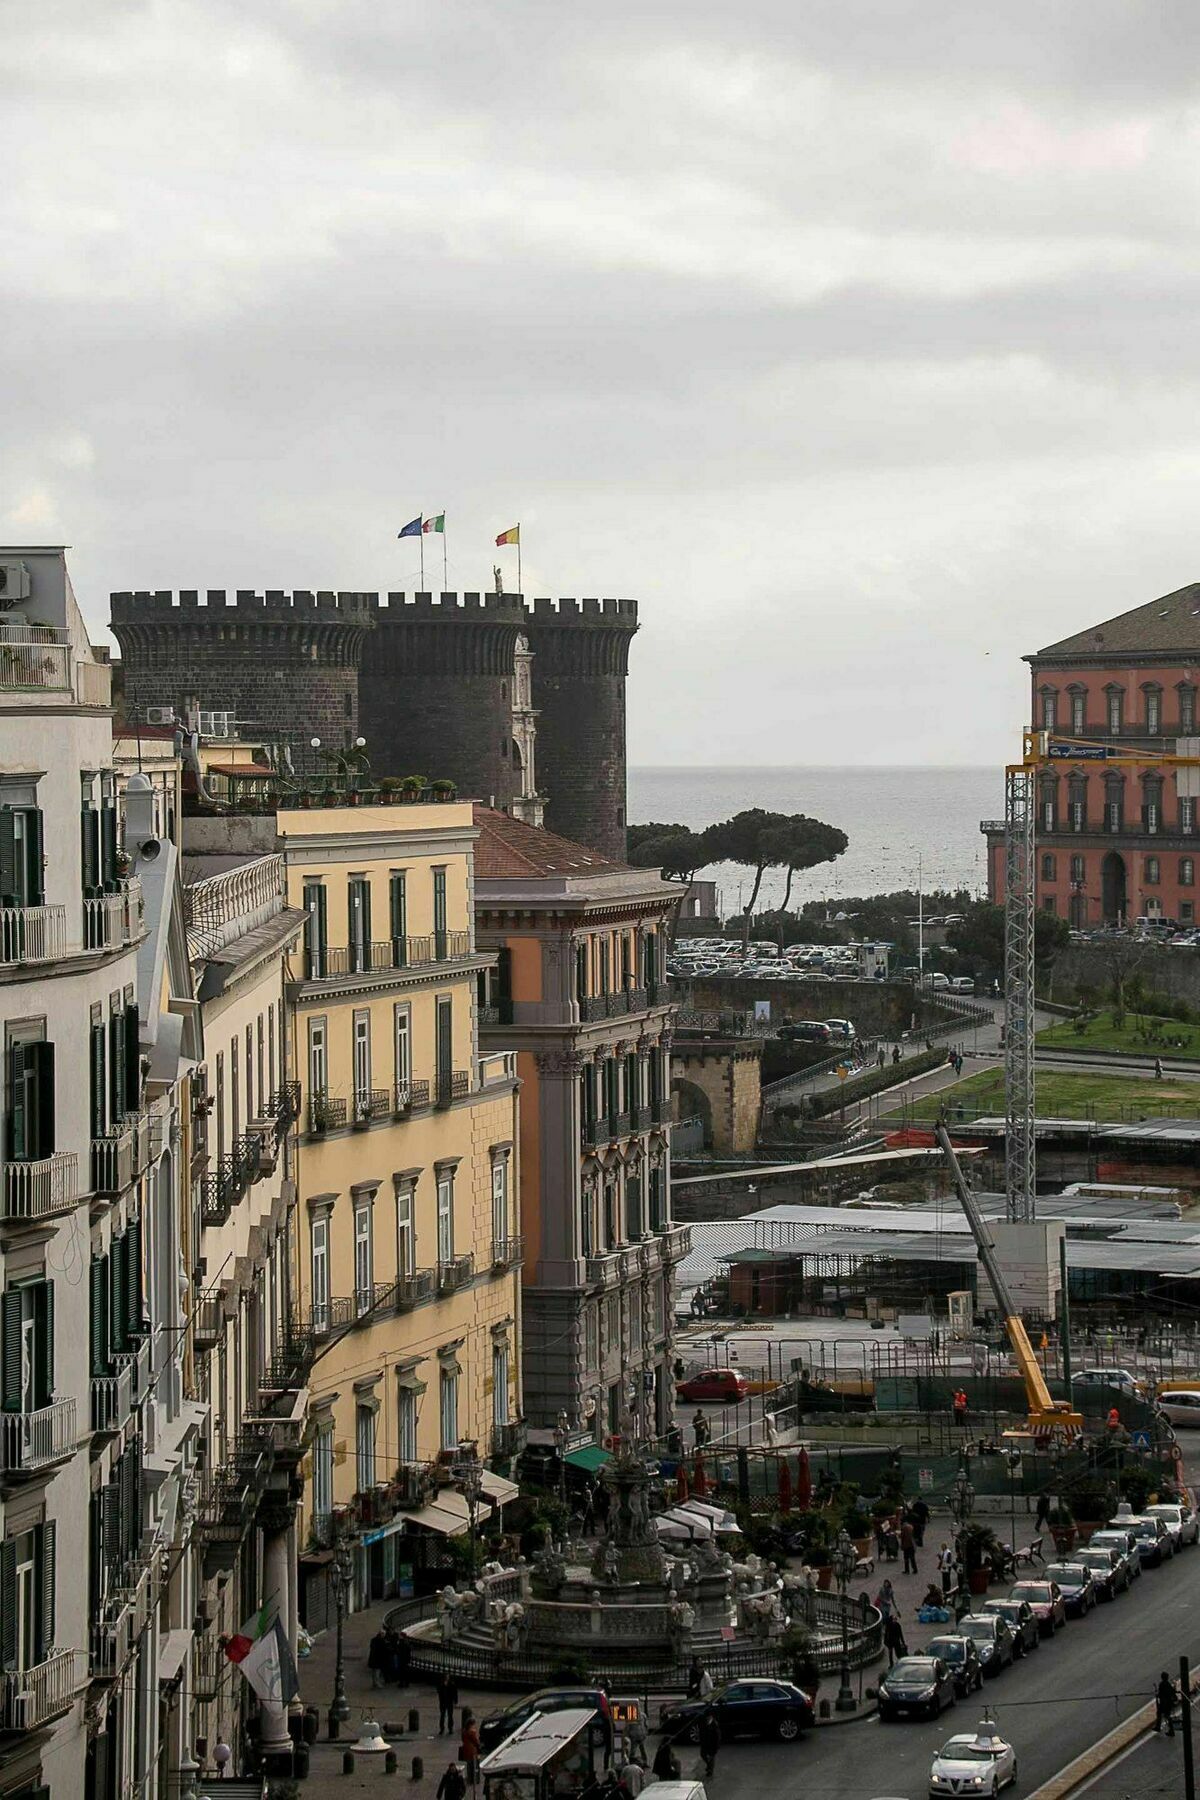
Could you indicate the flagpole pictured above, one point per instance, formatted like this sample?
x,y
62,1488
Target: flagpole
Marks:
x,y
520,583
422,552
445,571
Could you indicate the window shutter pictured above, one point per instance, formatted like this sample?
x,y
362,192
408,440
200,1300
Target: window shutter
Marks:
x,y
118,1305
45,1619
95,1549
8,1604
18,1124
110,1526
43,1344
133,1275
99,1315
116,1067
34,876
108,846
364,900
133,1063
99,1096
41,1131
89,842
399,917
10,1374
9,879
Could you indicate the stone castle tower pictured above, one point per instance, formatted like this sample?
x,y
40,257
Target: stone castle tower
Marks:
x,y
436,685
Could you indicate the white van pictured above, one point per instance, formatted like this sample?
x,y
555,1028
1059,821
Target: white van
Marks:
x,y
674,1790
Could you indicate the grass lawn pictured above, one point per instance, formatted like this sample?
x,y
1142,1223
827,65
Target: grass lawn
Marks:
x,y
1105,1097
1141,1035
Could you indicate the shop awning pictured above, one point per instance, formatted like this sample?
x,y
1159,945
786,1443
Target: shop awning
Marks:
x,y
497,1488
448,1514
590,1457
172,1649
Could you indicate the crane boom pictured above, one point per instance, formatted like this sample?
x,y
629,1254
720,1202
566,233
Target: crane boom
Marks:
x,y
1044,1411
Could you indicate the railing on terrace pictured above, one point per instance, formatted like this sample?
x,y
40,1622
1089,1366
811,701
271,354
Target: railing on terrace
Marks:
x,y
112,1397
93,683
39,659
326,1112
228,905
412,1289
112,920
37,1190
594,1132
506,1251
30,1698
120,1155
334,962
32,934
455,1272
30,1441
371,1104
499,1067
111,1638
452,1084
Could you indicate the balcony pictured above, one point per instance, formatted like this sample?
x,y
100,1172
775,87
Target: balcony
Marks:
x,y
603,1270
594,1132
507,1252
508,1438
111,1639
120,1156
452,1085
661,1110
415,1484
383,956
498,1069
455,1273
326,1112
371,1105
31,1698
39,660
284,1107
618,1125
112,1398
642,1117
227,906
658,993
208,1321
33,1441
111,921
412,1289
675,1241
279,1418
32,934
209,1664
37,1190
409,1096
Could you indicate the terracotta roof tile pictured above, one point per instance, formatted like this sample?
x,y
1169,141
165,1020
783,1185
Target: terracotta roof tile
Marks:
x,y
508,846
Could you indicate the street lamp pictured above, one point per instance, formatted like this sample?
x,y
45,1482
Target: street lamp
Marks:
x,y
468,1473
845,1561
962,1505
341,1572
562,1433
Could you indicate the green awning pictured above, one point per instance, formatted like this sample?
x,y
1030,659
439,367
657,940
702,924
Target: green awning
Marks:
x,y
590,1457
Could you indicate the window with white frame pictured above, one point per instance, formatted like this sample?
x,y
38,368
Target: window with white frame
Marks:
x,y
318,1059
320,1273
1115,706
402,1033
364,1259
445,1215
323,1473
406,1423
500,1383
1153,711
1049,709
362,1063
1079,712
449,1406
406,1235
1187,813
364,1447
499,1202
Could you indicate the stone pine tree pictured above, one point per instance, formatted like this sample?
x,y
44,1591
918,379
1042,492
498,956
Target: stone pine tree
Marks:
x,y
770,840
675,849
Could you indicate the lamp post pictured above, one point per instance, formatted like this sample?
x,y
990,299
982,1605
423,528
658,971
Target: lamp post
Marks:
x,y
341,1572
468,1473
845,1560
962,1504
562,1433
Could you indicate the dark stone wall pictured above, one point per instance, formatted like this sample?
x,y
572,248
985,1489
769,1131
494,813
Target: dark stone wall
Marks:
x,y
581,659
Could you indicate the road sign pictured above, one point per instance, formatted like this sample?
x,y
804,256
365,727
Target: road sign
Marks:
x,y
1140,1440
925,1479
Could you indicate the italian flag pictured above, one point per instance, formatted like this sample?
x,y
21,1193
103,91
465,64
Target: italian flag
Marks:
x,y
264,1656
437,523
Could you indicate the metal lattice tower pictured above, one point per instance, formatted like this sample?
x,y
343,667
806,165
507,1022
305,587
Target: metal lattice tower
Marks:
x,y
1020,807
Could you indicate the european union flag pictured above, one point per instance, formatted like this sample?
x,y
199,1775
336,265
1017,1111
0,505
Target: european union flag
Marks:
x,y
412,529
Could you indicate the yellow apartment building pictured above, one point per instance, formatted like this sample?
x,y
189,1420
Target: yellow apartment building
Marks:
x,y
409,1253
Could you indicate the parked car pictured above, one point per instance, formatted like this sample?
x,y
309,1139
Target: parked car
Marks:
x,y
1151,1536
1078,1588
1180,1520
916,1685
1045,1600
1180,1406
1019,1617
962,984
500,1725
1124,1543
714,1384
1108,1567
805,1031
776,1709
961,1658
935,979
992,1639
1122,1379
982,1764
843,1029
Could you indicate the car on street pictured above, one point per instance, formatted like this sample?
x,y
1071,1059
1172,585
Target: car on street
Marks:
x,y
1109,1570
714,1384
805,1031
1078,1588
1180,1520
1018,1615
1180,1406
777,1709
992,1639
979,1764
1123,1380
916,1685
1124,1543
1152,1538
1046,1601
962,984
842,1029
498,1726
961,1657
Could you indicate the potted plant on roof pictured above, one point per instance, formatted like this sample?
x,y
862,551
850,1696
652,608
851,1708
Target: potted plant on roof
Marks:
x,y
410,787
389,790
443,789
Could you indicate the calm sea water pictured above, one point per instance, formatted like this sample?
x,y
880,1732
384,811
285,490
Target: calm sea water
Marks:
x,y
891,816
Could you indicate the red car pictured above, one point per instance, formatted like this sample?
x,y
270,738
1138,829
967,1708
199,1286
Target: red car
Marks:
x,y
714,1384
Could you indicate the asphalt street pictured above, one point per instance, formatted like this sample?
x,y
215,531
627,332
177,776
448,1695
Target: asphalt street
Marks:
x,y
1052,1706
1151,1769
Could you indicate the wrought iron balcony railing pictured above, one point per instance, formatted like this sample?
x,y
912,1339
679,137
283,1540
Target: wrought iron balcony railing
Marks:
x,y
507,1251
452,1085
455,1272
335,962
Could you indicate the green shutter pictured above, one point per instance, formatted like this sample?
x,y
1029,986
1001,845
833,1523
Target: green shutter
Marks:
x,y
133,1275
18,1118
110,1525
108,846
8,1604
9,877
10,1360
45,1615
118,1304
133,1060
95,1549
34,871
99,1094
43,1343
399,910
89,851
99,1315
116,1067
40,1058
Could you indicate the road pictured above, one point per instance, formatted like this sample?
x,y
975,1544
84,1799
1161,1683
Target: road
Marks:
x,y
1055,1704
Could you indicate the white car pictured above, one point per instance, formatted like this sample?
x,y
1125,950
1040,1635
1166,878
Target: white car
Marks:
x,y
982,1764
1180,1406
842,1028
1179,1519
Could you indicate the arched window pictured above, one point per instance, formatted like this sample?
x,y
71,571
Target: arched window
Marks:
x,y
1049,708
1078,702
1152,701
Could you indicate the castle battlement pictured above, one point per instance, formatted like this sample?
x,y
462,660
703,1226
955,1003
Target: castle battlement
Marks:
x,y
143,605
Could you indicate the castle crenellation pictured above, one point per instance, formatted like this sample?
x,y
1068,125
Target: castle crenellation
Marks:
x,y
132,605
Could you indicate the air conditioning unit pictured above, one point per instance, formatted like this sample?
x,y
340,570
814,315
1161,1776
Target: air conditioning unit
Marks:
x,y
160,715
216,724
14,583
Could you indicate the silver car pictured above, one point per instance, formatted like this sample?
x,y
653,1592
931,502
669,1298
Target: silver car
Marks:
x,y
1180,1520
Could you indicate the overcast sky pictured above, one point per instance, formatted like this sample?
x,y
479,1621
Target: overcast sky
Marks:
x,y
856,339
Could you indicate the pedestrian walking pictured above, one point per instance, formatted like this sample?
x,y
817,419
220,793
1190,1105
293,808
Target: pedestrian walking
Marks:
x,y
885,1599
946,1568
919,1513
709,1741
960,1407
700,1682
447,1699
880,1056
1113,1421
453,1785
1164,1704
1043,1511
699,1428
666,1764
893,1639
908,1546
635,1739
895,1054
377,1658
1158,1068
469,1749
